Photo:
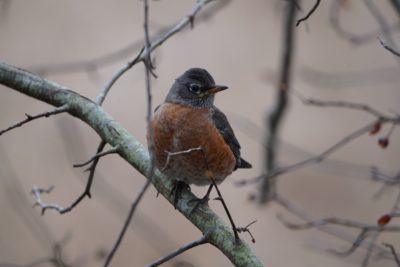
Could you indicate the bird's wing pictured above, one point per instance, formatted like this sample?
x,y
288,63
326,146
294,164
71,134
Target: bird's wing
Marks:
x,y
225,129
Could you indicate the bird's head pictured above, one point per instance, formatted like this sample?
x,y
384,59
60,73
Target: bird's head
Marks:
x,y
196,87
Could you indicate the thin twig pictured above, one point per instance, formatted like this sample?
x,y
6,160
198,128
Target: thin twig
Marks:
x,y
91,169
96,63
370,249
97,156
39,191
127,222
394,253
29,118
326,228
381,20
317,2
173,154
202,240
341,104
341,80
247,229
356,244
339,221
387,47
154,45
315,159
355,39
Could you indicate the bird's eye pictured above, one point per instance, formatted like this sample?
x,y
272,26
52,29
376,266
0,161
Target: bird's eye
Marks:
x,y
194,88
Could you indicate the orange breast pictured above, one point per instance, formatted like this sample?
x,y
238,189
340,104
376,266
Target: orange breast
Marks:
x,y
178,128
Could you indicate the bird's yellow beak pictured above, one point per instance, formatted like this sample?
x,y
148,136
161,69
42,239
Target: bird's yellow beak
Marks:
x,y
215,89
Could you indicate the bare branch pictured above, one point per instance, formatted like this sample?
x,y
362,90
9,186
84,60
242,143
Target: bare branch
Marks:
x,y
394,253
355,39
276,114
317,2
356,244
38,191
343,104
239,253
316,159
39,202
202,240
127,222
377,175
339,221
247,229
30,118
326,228
372,242
113,150
387,47
153,45
173,154
342,80
381,20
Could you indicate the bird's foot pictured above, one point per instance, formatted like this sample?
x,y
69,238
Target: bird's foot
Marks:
x,y
201,201
176,191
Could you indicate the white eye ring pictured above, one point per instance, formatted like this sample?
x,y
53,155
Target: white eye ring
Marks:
x,y
194,88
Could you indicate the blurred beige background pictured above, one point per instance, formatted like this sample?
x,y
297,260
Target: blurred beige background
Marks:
x,y
240,45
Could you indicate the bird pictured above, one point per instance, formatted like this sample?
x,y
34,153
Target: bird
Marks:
x,y
190,140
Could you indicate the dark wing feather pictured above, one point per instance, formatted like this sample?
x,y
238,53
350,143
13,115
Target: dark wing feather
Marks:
x,y
222,124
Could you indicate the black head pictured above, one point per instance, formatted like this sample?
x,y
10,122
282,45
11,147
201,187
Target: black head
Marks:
x,y
196,87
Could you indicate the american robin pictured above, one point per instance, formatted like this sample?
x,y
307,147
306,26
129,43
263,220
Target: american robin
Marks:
x,y
192,139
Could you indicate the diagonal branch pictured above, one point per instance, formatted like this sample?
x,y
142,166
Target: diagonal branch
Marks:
x,y
389,48
356,39
315,159
394,253
239,253
202,240
97,156
39,191
152,46
127,222
30,118
312,10
383,25
132,151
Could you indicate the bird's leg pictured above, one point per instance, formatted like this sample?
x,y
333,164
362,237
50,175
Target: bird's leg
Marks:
x,y
213,183
234,228
176,191
203,200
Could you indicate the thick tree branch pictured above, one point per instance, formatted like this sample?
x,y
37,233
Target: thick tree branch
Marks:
x,y
238,252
